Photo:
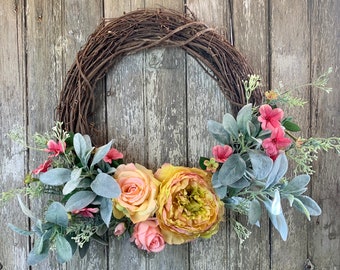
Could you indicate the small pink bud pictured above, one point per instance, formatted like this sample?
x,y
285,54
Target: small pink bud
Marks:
x,y
120,229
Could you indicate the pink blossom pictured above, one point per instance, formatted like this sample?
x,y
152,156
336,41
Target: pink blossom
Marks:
x,y
113,154
147,236
276,143
42,167
120,229
270,118
221,153
86,212
55,147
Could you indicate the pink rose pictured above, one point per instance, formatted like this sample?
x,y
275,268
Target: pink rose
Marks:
x,y
120,229
221,153
147,236
113,154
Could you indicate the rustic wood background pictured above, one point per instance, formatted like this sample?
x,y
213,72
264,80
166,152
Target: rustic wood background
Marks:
x,y
155,105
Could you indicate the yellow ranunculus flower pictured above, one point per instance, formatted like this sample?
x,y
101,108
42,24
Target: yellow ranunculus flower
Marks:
x,y
188,208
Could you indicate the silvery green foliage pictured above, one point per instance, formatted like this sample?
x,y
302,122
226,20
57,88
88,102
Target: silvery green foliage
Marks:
x,y
249,179
87,183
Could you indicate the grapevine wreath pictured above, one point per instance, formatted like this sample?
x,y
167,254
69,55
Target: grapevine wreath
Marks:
x,y
93,191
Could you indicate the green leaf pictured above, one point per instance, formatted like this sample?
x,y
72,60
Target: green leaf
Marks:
x,y
221,191
311,205
73,244
56,214
278,221
298,205
83,250
106,210
240,184
232,170
276,208
63,248
35,258
243,117
74,181
19,231
290,198
55,177
279,169
290,126
80,200
201,162
101,153
25,210
254,212
85,183
230,125
83,147
106,186
297,185
261,163
218,132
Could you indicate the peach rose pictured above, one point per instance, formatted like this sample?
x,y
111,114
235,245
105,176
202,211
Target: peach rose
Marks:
x,y
188,207
147,236
139,191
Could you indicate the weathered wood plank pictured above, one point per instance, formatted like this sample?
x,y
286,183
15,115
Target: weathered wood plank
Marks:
x,y
125,124
250,36
79,20
290,61
13,247
324,232
165,116
44,79
166,122
205,101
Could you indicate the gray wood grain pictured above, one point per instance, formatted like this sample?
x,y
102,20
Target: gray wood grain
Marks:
x,y
80,20
290,60
44,79
251,37
203,90
324,231
155,105
13,247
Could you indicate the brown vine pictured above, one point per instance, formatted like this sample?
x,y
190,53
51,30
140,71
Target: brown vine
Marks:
x,y
141,30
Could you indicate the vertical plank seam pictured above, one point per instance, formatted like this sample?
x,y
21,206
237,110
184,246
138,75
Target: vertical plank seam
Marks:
x,y
228,224
185,10
25,101
269,21
104,89
309,132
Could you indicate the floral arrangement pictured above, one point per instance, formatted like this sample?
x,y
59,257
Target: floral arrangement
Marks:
x,y
92,191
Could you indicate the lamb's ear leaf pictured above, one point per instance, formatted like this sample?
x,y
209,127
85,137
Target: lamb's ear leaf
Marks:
x,y
218,132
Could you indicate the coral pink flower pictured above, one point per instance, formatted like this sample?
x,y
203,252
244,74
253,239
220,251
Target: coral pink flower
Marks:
x,y
148,236
42,167
113,154
120,229
86,212
275,143
270,118
221,153
55,148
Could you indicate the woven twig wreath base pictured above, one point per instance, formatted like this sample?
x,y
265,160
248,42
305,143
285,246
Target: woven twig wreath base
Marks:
x,y
145,29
